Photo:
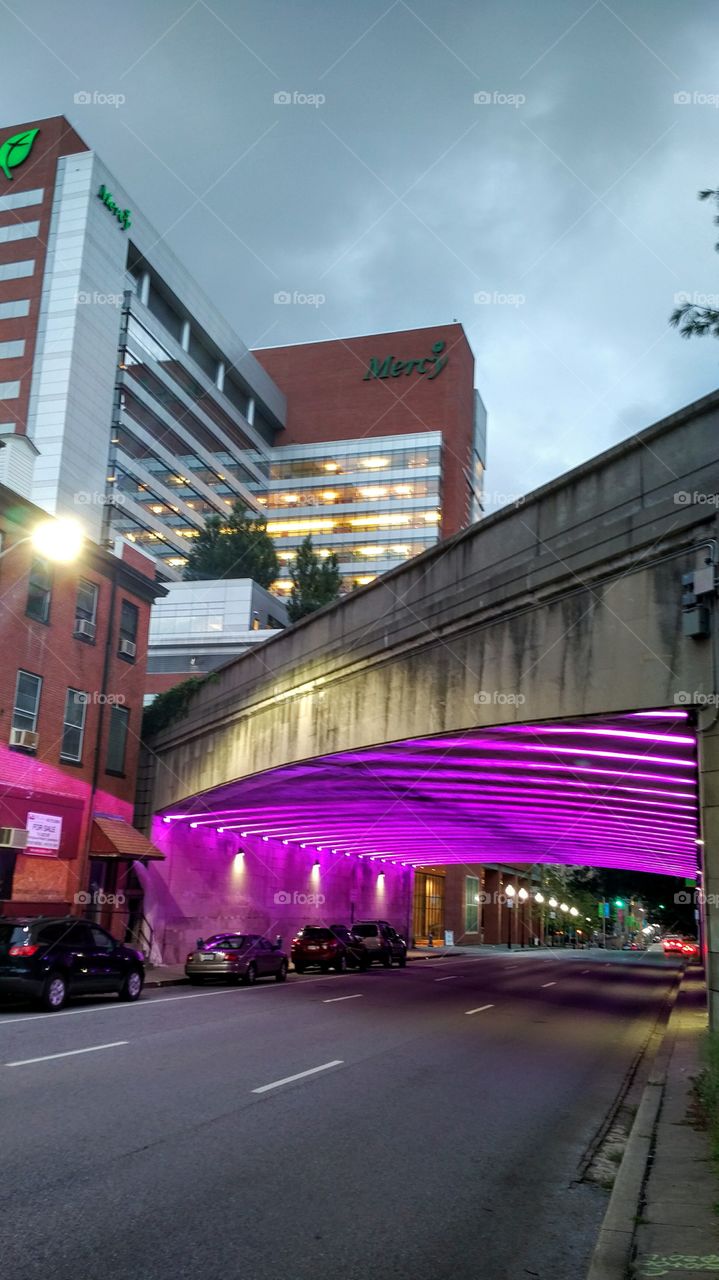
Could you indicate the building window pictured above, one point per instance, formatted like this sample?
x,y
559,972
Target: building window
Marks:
x,y
73,729
27,701
39,591
471,904
12,349
129,616
117,739
86,610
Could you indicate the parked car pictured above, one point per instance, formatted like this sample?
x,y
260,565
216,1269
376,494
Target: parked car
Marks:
x,y
690,949
239,957
672,945
382,941
328,947
50,958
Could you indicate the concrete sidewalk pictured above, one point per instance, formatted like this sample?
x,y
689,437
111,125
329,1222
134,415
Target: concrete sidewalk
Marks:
x,y
678,1227
173,975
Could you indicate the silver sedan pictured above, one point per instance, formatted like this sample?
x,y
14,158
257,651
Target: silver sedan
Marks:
x,y
238,957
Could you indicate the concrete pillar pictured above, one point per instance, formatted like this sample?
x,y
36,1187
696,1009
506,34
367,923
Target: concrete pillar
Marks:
x,y
709,830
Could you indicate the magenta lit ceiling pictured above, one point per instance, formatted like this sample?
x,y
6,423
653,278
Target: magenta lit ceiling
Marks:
x,y
607,792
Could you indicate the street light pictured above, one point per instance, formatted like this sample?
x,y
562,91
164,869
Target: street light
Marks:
x,y
573,911
522,920
510,892
59,540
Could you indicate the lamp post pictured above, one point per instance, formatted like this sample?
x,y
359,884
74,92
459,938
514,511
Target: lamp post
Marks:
x,y
574,914
564,910
539,899
510,891
553,904
522,895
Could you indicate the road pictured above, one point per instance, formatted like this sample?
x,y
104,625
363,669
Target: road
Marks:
x,y
436,1127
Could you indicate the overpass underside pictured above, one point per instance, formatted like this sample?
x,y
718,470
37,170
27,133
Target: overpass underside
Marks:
x,y
617,791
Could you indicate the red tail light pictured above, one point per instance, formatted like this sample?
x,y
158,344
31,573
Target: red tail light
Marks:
x,y
28,949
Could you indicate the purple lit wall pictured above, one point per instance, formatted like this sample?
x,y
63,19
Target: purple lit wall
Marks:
x,y
610,792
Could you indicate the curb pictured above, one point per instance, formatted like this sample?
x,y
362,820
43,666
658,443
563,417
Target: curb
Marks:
x,y
182,982
612,1252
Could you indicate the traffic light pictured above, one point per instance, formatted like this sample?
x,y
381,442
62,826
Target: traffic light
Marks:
x,y
619,903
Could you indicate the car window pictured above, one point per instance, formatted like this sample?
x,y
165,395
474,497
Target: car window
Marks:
x,y
233,941
313,934
58,931
78,937
102,939
12,936
365,930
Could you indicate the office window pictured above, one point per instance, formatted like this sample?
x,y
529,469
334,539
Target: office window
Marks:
x,y
73,729
471,904
9,390
11,310
19,231
117,739
86,608
27,701
39,591
17,270
128,629
11,349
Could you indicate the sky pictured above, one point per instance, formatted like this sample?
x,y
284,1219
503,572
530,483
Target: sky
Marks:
x,y
527,167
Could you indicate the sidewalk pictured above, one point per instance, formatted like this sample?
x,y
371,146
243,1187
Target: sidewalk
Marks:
x,y
173,975
678,1230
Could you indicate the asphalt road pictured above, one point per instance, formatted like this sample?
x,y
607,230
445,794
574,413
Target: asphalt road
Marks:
x,y
435,1128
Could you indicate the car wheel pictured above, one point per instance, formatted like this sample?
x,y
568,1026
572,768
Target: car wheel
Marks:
x,y
195,982
387,962
365,964
403,962
54,993
131,988
341,964
281,972
299,968
250,976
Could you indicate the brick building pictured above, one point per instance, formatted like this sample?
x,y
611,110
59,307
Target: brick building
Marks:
x,y
71,694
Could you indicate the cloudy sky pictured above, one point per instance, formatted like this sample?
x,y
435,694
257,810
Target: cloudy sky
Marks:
x,y
528,167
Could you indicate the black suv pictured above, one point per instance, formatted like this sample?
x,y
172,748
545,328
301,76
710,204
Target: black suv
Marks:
x,y
382,941
48,958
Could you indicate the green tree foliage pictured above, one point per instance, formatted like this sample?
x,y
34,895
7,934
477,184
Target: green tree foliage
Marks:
x,y
173,704
315,581
693,321
233,546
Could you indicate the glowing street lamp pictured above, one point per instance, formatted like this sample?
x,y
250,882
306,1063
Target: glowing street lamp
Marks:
x,y
59,540
573,911
510,892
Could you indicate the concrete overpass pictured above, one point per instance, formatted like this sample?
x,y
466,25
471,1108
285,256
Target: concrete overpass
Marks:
x,y
566,606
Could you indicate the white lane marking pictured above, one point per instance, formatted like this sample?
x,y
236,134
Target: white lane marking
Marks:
x,y
481,1009
549,984
336,999
337,1062
585,971
149,1004
26,1062
449,978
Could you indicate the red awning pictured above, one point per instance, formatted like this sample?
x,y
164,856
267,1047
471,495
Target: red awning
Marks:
x,y
115,838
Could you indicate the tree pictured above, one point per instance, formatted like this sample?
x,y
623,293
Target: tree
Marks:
x,y
691,320
233,546
315,581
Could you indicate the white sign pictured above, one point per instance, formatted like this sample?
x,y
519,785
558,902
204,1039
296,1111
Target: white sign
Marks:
x,y
449,937
44,831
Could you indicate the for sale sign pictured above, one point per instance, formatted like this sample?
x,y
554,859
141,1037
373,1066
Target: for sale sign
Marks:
x,y
44,833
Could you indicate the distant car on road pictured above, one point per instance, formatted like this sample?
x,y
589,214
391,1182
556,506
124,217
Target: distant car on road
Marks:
x,y
672,945
328,947
690,949
50,958
382,941
238,957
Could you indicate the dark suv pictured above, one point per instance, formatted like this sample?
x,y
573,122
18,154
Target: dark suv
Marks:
x,y
329,947
382,942
50,958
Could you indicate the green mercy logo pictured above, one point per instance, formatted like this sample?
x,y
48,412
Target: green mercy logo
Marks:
x,y
431,365
16,149
123,215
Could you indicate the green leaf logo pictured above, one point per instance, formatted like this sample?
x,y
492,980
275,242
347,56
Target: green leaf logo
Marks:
x,y
16,149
